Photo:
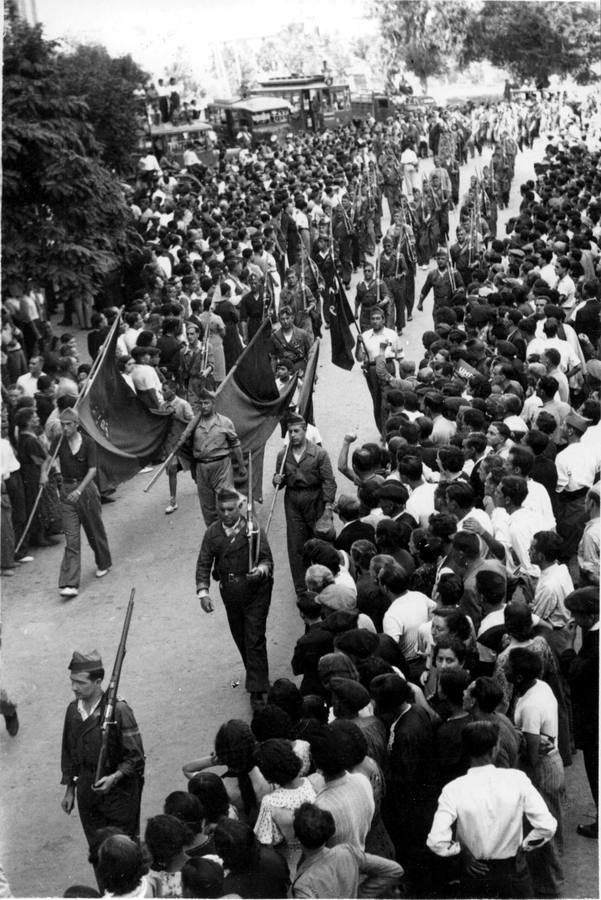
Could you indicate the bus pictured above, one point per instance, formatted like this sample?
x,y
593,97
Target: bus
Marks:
x,y
316,102
266,118
171,140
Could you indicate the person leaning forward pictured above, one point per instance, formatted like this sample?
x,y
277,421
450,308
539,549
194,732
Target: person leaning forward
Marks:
x,y
115,798
214,442
245,588
310,489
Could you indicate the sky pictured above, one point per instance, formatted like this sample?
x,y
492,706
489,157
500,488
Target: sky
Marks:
x,y
157,31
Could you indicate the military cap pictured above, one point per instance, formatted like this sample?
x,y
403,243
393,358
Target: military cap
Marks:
x,y
225,495
85,662
515,251
206,394
351,693
69,415
583,600
577,422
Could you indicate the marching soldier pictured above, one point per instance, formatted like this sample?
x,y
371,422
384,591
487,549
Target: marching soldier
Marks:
x,y
241,560
115,798
342,232
370,292
310,491
301,301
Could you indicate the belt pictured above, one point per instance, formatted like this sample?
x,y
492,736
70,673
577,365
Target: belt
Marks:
x,y
230,578
579,492
210,459
292,487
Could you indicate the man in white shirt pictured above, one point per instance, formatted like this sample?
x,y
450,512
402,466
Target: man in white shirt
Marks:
x,y
378,341
145,378
577,469
520,462
420,504
480,816
565,286
132,326
553,586
29,382
536,716
523,523
407,611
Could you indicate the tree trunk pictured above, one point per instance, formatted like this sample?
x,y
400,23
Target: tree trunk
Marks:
x,y
423,81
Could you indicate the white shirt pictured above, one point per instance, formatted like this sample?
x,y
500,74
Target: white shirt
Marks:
x,y
403,618
8,461
539,502
28,383
547,273
83,711
576,467
523,525
145,378
488,804
372,340
552,588
536,711
480,516
421,503
127,341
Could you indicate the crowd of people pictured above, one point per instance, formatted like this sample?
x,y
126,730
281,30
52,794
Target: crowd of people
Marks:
x,y
447,656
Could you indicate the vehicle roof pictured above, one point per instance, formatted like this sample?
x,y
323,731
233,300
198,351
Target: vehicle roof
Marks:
x,y
261,104
166,128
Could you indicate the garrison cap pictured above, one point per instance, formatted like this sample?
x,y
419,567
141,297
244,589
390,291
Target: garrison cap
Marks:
x,y
225,495
85,662
69,415
206,394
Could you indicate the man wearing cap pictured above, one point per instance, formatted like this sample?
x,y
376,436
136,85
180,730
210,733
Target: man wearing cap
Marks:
x,y
310,489
245,586
214,443
439,280
80,502
300,300
290,342
582,672
577,470
115,798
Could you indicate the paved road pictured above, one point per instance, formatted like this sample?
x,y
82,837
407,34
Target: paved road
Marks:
x,y
181,664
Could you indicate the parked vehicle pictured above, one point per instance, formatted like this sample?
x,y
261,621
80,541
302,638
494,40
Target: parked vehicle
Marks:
x,y
264,117
316,102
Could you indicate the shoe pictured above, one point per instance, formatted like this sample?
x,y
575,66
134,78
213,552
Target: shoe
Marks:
x,y
12,723
24,559
589,831
68,592
257,700
171,507
104,498
410,318
100,573
145,470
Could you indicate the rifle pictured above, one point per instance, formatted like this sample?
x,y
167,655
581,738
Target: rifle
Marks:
x,y
111,693
251,526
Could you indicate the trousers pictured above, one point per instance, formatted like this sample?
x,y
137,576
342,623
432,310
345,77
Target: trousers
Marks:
x,y
85,513
544,863
505,878
120,806
212,477
303,508
247,606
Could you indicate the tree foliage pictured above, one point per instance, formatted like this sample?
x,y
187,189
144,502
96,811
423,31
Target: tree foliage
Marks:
x,y
423,36
537,39
107,85
64,217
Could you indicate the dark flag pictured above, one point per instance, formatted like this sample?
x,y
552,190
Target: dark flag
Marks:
x,y
250,398
305,395
127,434
341,318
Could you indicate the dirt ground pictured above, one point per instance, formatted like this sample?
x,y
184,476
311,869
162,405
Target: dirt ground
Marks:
x,y
182,668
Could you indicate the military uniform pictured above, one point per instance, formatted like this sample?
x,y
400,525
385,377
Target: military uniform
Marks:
x,y
82,739
246,600
213,441
310,485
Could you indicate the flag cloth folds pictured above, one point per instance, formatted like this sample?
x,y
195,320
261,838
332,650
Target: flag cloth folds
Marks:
x,y
341,318
126,433
305,396
250,398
